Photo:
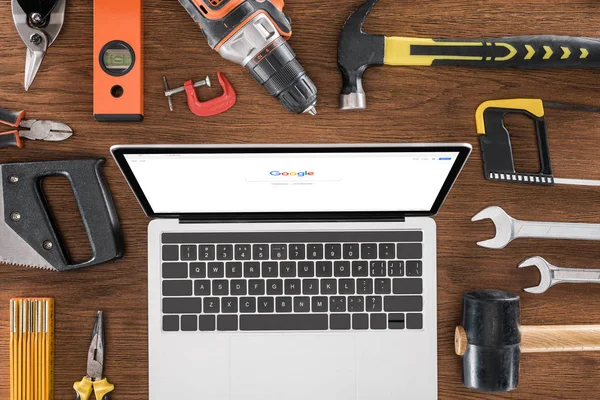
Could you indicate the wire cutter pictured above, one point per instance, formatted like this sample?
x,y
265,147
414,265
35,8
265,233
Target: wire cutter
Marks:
x,y
31,129
38,23
94,381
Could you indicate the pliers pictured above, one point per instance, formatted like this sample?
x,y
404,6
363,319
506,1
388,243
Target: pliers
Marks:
x,y
94,381
30,129
38,23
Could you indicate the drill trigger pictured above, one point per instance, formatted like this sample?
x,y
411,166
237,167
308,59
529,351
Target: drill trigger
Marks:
x,y
215,106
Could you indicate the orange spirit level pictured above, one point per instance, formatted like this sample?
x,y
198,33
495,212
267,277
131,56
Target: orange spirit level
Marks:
x,y
118,61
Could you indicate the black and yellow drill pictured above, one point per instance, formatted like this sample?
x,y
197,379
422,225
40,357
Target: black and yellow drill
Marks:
x,y
254,33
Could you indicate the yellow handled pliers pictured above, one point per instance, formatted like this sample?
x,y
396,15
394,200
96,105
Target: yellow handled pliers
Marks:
x,y
94,381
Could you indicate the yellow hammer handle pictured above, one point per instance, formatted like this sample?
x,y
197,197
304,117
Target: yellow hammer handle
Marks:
x,y
513,52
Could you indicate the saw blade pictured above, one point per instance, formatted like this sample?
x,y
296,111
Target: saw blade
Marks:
x,y
13,249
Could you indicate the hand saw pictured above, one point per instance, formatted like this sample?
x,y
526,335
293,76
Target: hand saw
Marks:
x,y
28,235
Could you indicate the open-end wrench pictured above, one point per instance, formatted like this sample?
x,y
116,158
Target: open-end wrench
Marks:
x,y
552,275
509,229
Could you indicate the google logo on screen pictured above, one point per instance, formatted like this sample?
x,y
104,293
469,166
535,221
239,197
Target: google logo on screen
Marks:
x,y
298,174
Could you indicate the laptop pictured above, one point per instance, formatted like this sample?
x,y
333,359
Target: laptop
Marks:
x,y
301,272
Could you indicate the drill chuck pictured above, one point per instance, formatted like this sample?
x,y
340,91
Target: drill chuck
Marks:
x,y
254,33
282,75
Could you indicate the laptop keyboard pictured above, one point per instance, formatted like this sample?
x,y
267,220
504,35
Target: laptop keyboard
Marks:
x,y
292,281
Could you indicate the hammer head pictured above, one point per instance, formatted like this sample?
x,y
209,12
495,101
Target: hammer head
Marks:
x,y
491,322
358,51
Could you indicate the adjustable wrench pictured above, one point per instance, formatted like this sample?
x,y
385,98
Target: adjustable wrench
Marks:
x,y
509,229
552,275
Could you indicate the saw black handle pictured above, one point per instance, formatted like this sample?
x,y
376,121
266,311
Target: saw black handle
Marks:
x,y
36,225
534,52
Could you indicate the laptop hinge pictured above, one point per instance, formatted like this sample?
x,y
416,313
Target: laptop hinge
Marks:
x,y
280,220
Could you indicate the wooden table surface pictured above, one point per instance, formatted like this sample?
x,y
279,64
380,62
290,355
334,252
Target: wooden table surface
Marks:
x,y
406,105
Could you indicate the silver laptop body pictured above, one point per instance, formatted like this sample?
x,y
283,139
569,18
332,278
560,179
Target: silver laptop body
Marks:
x,y
347,304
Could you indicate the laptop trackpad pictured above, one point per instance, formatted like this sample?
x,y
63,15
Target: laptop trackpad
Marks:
x,y
291,366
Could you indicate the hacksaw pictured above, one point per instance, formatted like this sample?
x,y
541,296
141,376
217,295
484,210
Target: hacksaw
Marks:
x,y
496,146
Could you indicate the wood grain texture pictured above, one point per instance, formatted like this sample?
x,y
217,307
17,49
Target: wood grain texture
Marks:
x,y
405,105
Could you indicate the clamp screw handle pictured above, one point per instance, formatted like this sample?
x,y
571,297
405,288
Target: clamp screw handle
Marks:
x,y
171,92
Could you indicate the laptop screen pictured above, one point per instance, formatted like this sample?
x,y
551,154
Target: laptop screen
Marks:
x,y
284,182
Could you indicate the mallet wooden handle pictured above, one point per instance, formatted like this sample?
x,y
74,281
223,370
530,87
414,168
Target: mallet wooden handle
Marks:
x,y
546,339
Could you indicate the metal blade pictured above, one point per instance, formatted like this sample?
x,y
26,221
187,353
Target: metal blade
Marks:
x,y
95,364
574,107
577,182
57,19
45,130
32,65
13,249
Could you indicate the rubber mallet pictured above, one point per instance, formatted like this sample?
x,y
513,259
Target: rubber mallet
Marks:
x,y
491,340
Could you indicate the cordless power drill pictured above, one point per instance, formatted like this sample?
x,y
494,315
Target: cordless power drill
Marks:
x,y
254,33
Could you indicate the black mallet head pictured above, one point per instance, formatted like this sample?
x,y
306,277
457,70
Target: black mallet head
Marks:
x,y
489,340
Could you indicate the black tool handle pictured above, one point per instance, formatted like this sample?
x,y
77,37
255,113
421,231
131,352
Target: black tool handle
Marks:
x,y
43,7
10,139
533,52
36,225
11,118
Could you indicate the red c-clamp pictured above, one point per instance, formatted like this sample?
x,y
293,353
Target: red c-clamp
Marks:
x,y
216,106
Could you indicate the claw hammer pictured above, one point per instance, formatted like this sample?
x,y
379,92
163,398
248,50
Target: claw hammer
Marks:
x,y
358,51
